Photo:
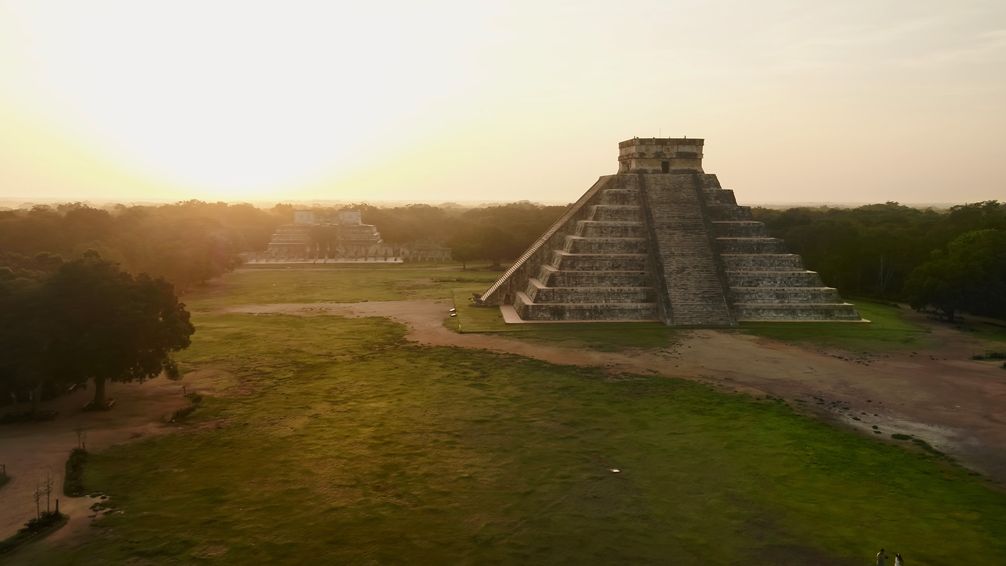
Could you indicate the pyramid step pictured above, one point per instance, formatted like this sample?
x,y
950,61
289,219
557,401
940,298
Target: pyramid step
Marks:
x,y
582,245
615,212
761,245
620,197
556,278
761,262
728,212
539,293
610,229
739,229
815,295
715,196
801,278
801,312
598,262
529,310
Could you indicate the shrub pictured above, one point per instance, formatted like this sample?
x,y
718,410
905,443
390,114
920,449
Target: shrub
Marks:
x,y
990,356
73,480
38,527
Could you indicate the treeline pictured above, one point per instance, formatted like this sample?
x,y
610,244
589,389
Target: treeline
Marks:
x,y
952,260
190,242
495,233
186,243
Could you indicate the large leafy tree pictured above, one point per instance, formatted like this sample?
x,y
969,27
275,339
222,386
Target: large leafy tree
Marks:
x,y
112,325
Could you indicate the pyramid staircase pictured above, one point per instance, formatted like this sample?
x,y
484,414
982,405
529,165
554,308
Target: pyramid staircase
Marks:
x,y
600,271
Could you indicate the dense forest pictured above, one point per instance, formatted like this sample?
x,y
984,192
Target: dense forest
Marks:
x,y
186,243
495,233
953,260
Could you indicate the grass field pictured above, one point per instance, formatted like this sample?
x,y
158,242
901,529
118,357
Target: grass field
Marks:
x,y
342,443
887,330
340,284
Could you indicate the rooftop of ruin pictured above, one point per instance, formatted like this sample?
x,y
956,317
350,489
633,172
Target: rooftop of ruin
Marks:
x,y
660,155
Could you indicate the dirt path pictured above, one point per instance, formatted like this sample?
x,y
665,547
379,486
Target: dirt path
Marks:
x,y
30,450
941,396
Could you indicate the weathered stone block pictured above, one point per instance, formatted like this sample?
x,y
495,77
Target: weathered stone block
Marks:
x,y
582,245
751,245
739,229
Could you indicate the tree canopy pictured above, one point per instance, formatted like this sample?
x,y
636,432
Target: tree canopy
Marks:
x,y
969,274
186,243
84,320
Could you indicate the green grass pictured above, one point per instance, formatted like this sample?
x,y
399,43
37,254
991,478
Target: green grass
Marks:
x,y
340,284
340,441
993,331
343,443
354,283
887,330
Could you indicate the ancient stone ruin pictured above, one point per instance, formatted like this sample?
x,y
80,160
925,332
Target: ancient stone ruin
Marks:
x,y
315,234
319,236
661,240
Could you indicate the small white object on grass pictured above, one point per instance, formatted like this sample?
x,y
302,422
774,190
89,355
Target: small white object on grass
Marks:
x,y
453,309
615,470
454,314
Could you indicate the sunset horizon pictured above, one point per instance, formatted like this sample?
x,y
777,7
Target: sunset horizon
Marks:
x,y
455,102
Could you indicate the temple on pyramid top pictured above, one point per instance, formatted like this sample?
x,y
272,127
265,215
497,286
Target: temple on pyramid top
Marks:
x,y
660,155
661,240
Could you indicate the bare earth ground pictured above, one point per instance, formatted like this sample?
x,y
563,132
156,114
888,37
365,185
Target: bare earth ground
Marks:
x,y
955,404
943,397
31,449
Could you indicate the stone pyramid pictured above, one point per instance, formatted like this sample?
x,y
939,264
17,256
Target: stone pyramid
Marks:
x,y
661,240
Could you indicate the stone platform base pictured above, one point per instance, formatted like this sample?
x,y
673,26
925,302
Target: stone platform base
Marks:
x,y
510,316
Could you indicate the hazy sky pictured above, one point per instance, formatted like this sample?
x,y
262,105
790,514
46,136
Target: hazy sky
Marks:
x,y
852,101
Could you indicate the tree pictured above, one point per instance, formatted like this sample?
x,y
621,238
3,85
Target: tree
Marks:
x,y
28,363
969,275
465,246
113,326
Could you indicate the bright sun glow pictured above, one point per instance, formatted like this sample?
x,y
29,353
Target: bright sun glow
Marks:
x,y
238,99
495,101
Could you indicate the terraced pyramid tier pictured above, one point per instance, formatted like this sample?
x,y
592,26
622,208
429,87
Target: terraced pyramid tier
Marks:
x,y
661,240
600,270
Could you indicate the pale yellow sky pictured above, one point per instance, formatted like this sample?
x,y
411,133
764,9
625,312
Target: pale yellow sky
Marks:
x,y
853,101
